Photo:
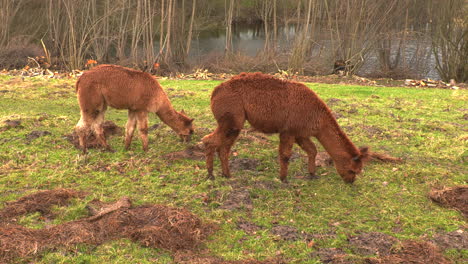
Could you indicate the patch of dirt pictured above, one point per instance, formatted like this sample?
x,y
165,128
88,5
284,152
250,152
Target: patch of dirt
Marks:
x,y
154,127
12,123
412,252
288,233
452,240
110,129
455,197
323,159
244,164
251,135
266,184
333,101
38,202
238,199
247,226
37,134
151,225
192,152
373,243
329,255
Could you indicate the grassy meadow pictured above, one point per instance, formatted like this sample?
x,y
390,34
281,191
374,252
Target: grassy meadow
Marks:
x,y
427,128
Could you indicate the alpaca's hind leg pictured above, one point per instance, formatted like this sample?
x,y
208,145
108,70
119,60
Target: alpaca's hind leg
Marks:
x,y
309,147
285,151
82,129
130,128
225,149
99,130
143,128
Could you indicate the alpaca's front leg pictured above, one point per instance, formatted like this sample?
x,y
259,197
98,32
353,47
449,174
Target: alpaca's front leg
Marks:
x,y
130,128
143,129
309,147
285,151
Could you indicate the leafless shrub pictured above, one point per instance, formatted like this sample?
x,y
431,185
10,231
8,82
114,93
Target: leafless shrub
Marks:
x,y
450,39
15,54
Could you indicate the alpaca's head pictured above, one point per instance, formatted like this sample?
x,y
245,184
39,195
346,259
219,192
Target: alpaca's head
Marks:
x,y
350,168
185,127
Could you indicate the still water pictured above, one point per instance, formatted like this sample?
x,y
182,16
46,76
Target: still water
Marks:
x,y
250,40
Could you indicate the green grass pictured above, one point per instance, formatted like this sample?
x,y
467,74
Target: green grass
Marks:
x,y
426,127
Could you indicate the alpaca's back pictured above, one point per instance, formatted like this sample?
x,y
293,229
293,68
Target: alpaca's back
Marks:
x,y
269,104
118,87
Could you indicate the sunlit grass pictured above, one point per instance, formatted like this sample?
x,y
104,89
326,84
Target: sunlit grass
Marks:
x,y
426,127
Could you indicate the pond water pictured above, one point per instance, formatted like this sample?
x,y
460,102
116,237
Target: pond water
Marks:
x,y
250,40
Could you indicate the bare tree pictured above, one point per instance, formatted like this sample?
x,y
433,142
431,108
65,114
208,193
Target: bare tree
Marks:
x,y
229,13
8,11
354,27
450,39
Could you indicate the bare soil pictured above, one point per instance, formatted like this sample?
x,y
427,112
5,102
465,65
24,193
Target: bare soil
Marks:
x,y
238,199
241,164
248,226
373,243
330,255
191,152
110,129
454,197
452,240
37,134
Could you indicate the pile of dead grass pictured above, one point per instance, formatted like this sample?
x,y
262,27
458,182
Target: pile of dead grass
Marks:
x,y
455,197
38,202
413,252
151,225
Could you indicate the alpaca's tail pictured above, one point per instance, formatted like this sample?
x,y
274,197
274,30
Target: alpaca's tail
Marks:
x,y
77,85
227,125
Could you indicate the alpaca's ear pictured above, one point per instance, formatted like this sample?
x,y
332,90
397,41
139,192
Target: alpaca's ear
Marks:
x,y
188,122
365,153
182,111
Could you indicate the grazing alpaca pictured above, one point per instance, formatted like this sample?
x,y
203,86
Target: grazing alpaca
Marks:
x,y
124,88
276,106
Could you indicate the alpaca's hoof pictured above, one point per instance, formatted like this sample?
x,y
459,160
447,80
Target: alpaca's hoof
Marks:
x,y
109,149
210,177
312,176
226,175
285,180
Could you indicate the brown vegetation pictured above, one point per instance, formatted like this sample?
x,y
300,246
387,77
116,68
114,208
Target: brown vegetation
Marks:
x,y
124,88
278,106
152,226
456,197
38,202
413,252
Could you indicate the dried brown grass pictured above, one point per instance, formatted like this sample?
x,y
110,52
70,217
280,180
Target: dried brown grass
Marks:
x,y
455,197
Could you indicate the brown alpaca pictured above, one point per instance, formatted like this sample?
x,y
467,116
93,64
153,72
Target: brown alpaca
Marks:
x,y
276,106
124,88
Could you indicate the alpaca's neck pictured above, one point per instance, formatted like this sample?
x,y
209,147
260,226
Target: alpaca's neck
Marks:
x,y
167,114
336,142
